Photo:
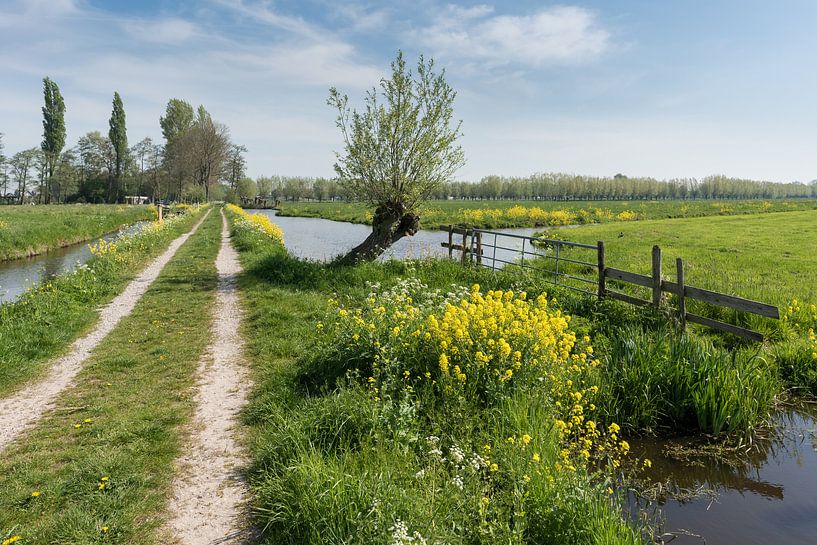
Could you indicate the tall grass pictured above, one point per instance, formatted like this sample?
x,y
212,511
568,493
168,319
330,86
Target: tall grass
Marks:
x,y
657,380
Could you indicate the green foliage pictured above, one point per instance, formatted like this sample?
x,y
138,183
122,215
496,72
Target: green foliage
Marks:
x,y
398,151
53,120
118,136
177,120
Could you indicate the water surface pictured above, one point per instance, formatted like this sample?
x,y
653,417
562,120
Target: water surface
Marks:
x,y
323,240
767,497
18,275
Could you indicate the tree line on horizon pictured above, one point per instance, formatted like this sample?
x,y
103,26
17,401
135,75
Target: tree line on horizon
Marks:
x,y
546,186
196,162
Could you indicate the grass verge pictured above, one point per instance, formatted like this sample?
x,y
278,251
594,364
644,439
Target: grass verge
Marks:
x,y
98,468
504,214
32,230
45,320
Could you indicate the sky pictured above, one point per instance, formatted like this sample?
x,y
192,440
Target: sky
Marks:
x,y
667,89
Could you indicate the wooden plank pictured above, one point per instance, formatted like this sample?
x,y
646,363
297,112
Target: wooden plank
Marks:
x,y
682,303
479,248
457,247
723,326
602,274
626,276
729,301
627,298
669,287
656,276
460,231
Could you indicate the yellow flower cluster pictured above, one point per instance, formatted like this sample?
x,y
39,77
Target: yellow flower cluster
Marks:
x,y
626,215
103,247
480,347
537,216
489,342
3,224
812,339
256,222
800,314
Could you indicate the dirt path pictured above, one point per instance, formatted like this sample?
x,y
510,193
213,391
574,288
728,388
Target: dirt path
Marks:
x,y
209,492
25,407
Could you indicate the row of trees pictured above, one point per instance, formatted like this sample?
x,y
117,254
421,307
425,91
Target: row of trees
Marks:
x,y
197,160
551,186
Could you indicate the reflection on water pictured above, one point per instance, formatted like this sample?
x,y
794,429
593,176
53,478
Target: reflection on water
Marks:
x,y
323,240
18,275
769,496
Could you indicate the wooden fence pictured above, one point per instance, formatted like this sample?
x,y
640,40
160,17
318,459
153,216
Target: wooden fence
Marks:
x,y
476,246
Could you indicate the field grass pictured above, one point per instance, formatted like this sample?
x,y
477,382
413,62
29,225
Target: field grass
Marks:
x,y
98,468
503,214
32,230
46,319
765,257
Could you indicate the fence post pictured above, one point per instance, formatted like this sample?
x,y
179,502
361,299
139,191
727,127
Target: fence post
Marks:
x,y
450,241
682,304
464,247
479,247
602,278
160,207
656,276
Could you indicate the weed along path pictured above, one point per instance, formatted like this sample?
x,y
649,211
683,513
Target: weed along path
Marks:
x,y
209,492
25,407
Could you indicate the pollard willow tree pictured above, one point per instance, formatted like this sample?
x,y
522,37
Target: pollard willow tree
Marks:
x,y
397,151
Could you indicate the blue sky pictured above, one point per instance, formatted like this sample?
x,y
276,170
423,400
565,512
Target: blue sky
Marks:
x,y
650,88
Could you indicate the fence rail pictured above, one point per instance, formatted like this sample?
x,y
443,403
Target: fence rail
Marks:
x,y
480,246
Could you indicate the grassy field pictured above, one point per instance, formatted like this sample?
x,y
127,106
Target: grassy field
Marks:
x,y
32,230
501,214
765,257
45,320
98,468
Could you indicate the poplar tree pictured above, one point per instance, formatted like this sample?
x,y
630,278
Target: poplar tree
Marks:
x,y
119,140
53,130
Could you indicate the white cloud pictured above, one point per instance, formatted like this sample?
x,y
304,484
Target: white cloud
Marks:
x,y
558,35
161,31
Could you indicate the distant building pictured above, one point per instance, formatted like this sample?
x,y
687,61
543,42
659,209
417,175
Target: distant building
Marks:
x,y
136,199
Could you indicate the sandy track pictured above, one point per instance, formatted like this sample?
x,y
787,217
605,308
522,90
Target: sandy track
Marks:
x,y
25,407
209,493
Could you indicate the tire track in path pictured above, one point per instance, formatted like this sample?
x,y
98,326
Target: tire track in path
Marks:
x,y
23,408
209,493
